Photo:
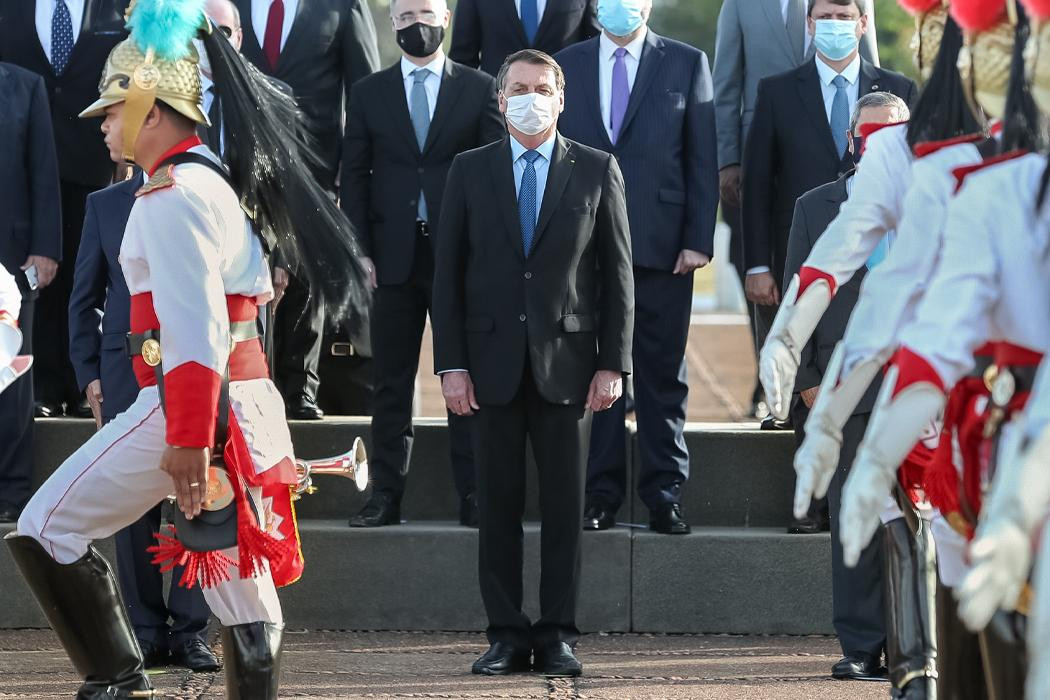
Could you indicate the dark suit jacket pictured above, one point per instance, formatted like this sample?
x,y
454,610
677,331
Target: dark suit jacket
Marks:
x,y
384,170
494,308
485,32
790,150
666,149
30,216
813,212
331,46
98,351
82,155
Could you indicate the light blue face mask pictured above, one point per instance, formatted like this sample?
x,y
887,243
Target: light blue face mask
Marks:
x,y
836,39
620,17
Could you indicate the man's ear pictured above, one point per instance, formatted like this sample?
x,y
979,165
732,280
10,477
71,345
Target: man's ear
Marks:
x,y
153,117
863,24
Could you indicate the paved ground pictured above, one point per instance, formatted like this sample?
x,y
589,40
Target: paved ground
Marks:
x,y
436,665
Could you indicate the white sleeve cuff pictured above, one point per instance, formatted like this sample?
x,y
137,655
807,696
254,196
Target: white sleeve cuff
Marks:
x,y
758,270
446,371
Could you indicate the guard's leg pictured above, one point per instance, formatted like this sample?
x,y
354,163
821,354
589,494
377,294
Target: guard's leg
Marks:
x,y
910,577
959,672
1004,655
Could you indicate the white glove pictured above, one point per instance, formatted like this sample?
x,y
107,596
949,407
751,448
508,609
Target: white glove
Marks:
x,y
815,464
777,369
863,500
1000,560
10,343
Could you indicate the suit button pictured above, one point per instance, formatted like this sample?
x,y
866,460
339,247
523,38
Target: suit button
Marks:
x,y
58,90
413,203
419,170
528,275
522,318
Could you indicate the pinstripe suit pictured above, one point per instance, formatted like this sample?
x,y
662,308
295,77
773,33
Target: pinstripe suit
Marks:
x,y
667,151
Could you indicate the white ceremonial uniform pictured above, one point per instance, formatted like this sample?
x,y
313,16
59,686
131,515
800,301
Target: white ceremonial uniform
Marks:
x,y
189,245
10,297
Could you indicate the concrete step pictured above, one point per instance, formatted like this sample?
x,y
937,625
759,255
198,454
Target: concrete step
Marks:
x,y
740,477
423,576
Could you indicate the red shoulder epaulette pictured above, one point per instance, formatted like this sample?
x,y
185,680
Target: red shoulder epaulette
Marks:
x,y
870,128
926,148
965,171
160,180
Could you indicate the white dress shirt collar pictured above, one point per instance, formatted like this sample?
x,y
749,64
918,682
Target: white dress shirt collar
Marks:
x,y
827,74
437,66
261,12
545,149
607,47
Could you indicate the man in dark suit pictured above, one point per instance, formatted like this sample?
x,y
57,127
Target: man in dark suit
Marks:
x,y
798,139
487,31
648,101
66,42
103,369
404,127
319,48
858,612
30,239
533,311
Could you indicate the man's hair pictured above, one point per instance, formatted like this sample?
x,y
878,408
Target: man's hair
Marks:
x,y
862,5
533,58
876,100
178,117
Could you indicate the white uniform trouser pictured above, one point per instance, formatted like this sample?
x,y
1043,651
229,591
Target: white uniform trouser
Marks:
x,y
111,482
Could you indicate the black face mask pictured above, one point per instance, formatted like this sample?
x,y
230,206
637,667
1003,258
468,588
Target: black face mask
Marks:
x,y
420,40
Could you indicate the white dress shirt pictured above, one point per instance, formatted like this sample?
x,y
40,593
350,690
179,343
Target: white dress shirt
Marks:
x,y
785,5
827,74
541,6
606,61
45,10
208,97
261,12
432,85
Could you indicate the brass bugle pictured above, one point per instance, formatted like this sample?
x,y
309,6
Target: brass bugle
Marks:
x,y
351,465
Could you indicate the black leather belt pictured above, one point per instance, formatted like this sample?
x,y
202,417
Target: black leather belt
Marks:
x,y
134,343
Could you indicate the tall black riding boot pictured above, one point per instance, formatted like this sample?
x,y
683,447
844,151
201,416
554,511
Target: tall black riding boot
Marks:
x,y
83,605
252,657
909,579
1005,655
960,675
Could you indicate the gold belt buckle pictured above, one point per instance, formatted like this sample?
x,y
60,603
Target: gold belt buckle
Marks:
x,y
151,352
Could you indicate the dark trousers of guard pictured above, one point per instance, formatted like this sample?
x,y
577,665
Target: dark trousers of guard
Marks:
x,y
16,422
299,326
53,378
398,320
559,436
663,304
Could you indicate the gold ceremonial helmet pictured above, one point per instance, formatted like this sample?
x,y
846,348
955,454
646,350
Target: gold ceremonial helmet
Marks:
x,y
1037,64
984,64
926,41
139,77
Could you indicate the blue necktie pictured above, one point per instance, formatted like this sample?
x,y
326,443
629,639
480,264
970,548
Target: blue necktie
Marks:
x,y
840,115
880,252
419,110
530,19
527,200
61,37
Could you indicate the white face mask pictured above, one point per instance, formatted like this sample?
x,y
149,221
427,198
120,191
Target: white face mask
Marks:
x,y
532,113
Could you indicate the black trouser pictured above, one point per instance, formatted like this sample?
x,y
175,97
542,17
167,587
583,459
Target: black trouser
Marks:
x,y
347,384
663,303
53,378
16,422
142,587
732,216
299,327
398,320
559,436
858,610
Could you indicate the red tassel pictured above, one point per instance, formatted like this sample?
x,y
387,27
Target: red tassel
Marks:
x,y
207,568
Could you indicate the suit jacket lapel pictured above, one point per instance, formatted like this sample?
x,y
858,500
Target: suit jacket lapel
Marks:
x,y
502,166
397,103
648,69
812,98
593,95
448,95
779,28
295,35
545,21
869,78
250,47
515,21
562,162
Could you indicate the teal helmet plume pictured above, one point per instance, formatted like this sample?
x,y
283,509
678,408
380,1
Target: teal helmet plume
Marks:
x,y
166,26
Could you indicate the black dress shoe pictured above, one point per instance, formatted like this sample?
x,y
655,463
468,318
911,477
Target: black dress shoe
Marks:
x,y
598,517
771,423
47,409
9,514
557,660
468,511
858,668
669,521
195,655
380,510
303,408
500,660
808,525
81,409
154,655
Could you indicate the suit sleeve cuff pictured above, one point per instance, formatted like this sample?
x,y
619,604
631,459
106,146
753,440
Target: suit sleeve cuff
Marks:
x,y
191,405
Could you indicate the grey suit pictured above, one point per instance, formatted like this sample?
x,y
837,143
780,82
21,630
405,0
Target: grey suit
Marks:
x,y
857,604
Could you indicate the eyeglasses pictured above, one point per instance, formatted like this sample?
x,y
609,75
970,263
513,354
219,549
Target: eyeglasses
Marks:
x,y
426,17
227,31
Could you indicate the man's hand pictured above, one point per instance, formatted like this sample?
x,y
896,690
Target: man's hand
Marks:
x,y
458,391
689,260
280,284
762,289
94,399
606,388
809,396
370,270
188,469
45,269
729,185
